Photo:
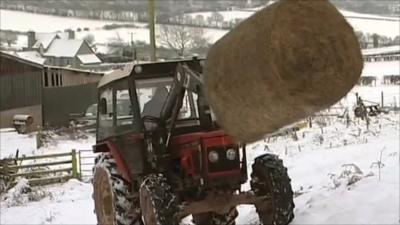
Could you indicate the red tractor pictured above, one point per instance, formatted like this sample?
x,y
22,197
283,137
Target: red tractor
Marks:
x,y
164,157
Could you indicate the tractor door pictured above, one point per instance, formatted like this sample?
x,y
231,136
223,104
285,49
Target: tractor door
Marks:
x,y
120,126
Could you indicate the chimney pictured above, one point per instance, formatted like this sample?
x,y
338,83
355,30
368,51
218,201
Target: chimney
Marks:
x,y
31,39
71,34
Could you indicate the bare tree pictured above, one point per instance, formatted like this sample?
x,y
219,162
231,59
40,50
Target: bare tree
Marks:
x,y
8,37
181,38
217,19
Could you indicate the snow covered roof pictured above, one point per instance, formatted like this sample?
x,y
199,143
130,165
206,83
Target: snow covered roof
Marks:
x,y
380,69
32,56
64,48
14,55
89,58
384,50
45,39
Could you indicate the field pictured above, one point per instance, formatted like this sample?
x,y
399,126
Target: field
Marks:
x,y
13,20
333,168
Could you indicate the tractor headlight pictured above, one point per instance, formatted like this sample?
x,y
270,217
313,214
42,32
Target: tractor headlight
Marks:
x,y
213,156
231,154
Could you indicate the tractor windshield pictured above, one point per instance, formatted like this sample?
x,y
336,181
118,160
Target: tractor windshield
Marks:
x,y
152,95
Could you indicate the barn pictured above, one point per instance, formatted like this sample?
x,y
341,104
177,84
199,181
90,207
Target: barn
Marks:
x,y
47,93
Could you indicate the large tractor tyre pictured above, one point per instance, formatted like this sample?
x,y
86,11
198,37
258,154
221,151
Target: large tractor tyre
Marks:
x,y
110,193
158,202
211,218
270,178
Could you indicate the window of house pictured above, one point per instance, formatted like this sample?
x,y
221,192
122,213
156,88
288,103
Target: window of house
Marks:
x,y
46,80
57,84
61,80
106,114
52,80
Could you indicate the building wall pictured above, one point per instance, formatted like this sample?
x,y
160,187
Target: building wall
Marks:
x,y
20,83
61,77
6,116
84,49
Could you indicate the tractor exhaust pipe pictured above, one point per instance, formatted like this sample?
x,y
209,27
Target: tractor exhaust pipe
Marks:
x,y
284,63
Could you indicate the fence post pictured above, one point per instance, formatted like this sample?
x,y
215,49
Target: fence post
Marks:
x,y
39,141
382,99
75,173
80,165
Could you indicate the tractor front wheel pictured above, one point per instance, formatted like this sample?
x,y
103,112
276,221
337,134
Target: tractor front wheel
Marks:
x,y
110,193
158,202
270,179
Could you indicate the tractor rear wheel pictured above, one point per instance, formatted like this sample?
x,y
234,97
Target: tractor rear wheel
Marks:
x,y
270,178
110,193
158,202
212,218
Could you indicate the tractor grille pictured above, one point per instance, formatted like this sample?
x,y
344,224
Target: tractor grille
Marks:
x,y
223,163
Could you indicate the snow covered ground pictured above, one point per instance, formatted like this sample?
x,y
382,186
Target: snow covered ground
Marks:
x,y
333,167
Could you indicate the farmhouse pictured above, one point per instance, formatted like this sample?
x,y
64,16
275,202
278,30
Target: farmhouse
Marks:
x,y
61,49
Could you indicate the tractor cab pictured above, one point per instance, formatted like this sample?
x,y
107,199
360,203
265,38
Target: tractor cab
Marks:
x,y
156,114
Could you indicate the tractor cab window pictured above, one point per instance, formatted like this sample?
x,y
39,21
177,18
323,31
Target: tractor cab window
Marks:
x,y
189,108
123,110
115,111
105,123
152,94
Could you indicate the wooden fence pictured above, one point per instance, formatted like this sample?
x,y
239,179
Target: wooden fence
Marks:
x,y
40,169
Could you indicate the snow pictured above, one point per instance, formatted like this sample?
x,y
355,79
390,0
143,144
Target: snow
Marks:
x,y
388,26
69,203
370,16
316,164
12,20
64,48
89,58
10,141
32,56
391,95
25,21
228,15
45,39
384,50
380,69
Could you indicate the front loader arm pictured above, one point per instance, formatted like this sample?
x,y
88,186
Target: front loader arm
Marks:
x,y
185,80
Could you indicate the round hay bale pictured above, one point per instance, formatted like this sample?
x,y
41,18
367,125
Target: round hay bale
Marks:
x,y
282,64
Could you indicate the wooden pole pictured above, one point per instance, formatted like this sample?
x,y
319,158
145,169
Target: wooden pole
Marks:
x,y
151,20
382,99
75,173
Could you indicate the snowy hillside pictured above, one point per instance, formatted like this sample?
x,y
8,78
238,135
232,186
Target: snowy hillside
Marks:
x,y
333,167
387,26
13,20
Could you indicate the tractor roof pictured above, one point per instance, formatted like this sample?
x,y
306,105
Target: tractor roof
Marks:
x,y
147,70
